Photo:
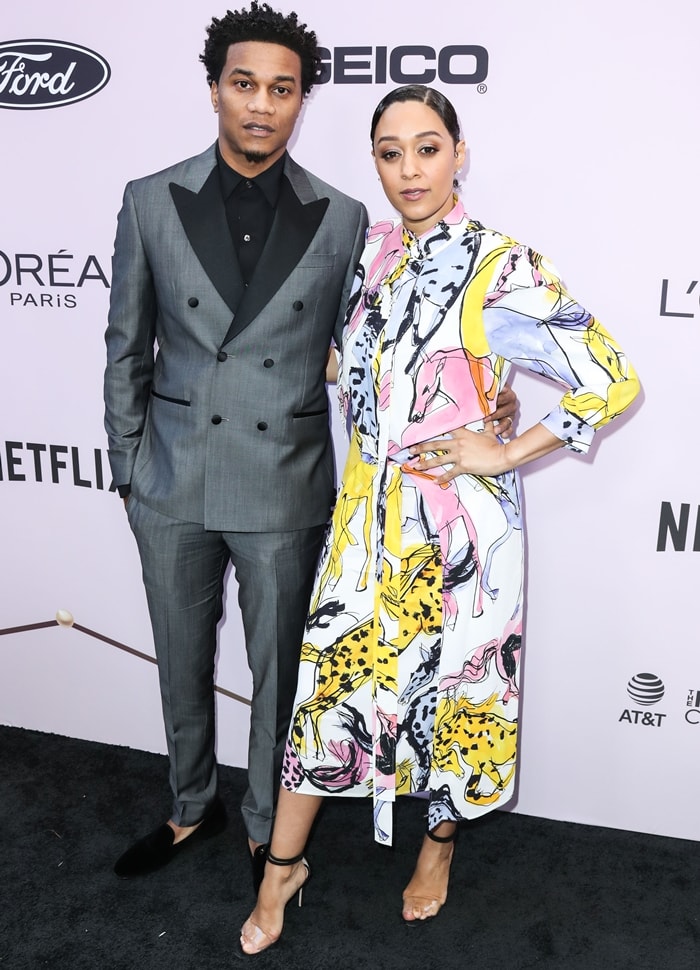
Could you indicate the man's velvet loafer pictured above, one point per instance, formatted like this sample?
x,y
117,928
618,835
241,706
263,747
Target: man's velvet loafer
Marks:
x,y
257,861
158,848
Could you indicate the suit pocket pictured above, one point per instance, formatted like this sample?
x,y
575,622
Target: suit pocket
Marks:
x,y
171,400
309,414
316,261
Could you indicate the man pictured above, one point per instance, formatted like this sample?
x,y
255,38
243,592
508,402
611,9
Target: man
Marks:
x,y
237,264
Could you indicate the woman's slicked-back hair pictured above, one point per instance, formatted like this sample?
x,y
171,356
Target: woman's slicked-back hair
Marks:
x,y
260,23
425,95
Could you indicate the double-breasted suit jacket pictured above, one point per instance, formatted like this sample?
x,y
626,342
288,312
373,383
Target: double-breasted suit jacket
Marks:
x,y
216,412
216,407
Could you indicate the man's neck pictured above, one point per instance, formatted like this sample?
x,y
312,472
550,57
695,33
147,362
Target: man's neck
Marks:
x,y
246,166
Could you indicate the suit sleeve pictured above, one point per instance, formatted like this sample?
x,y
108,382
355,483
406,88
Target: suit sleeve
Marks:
x,y
130,339
353,262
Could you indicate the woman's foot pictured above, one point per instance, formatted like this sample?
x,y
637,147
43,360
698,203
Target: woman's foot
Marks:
x,y
283,880
426,893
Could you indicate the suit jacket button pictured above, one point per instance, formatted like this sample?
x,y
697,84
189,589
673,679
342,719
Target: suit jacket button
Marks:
x,y
193,302
216,419
262,425
298,305
222,356
269,362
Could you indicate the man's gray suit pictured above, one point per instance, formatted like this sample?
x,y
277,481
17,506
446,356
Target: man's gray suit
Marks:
x,y
223,437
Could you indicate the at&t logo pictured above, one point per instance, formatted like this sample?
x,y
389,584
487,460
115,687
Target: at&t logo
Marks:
x,y
645,690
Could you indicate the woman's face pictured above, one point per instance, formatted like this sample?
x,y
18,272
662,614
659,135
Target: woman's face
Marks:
x,y
416,159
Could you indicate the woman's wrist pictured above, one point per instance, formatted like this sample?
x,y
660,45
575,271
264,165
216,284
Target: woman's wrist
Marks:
x,y
534,443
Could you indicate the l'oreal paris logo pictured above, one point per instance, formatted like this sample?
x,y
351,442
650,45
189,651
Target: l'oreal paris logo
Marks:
x,y
48,73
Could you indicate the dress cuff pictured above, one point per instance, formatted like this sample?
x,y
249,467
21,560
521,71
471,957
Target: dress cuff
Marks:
x,y
570,428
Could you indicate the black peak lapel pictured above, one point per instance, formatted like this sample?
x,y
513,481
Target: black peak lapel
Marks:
x,y
203,218
294,226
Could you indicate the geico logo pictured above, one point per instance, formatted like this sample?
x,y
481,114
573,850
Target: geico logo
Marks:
x,y
408,64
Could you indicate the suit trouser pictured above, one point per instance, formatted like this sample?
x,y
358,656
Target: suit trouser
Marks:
x,y
183,571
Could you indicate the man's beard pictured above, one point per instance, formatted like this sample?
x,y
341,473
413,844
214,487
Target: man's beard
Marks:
x,y
256,158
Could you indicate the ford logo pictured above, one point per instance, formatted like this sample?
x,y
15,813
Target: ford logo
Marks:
x,y
48,73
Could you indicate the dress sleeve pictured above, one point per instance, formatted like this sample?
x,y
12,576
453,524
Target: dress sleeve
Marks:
x,y
531,320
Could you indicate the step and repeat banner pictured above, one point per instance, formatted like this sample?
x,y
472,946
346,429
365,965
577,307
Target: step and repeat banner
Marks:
x,y
579,119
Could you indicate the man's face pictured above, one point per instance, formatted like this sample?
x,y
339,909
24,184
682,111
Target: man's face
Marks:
x,y
258,99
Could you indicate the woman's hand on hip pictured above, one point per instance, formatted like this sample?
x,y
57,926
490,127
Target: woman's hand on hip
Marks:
x,y
469,453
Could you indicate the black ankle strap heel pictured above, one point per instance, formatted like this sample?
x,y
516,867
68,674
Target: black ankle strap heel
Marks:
x,y
255,939
426,903
444,839
277,861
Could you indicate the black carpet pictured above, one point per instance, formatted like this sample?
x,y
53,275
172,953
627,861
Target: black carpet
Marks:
x,y
525,892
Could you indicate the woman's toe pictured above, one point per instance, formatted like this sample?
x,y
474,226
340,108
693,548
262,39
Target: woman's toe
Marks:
x,y
253,939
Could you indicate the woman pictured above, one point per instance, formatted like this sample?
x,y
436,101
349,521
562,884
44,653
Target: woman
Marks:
x,y
408,679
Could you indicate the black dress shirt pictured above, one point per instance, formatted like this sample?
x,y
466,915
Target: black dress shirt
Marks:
x,y
250,208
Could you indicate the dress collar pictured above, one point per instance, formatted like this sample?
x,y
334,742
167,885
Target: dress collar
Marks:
x,y
429,242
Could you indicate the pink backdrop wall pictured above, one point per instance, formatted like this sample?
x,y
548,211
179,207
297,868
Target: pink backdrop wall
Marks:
x,y
583,145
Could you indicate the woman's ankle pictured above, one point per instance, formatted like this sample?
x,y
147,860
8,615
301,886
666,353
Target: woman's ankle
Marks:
x,y
443,832
277,877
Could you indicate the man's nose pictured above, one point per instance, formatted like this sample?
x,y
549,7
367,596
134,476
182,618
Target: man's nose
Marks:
x,y
261,102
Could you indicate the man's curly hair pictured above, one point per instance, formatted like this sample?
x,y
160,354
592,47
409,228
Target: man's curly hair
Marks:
x,y
260,23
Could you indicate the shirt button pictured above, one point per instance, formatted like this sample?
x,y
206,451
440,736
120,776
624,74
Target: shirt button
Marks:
x,y
246,238
262,425
248,184
268,362
298,305
222,356
193,302
216,419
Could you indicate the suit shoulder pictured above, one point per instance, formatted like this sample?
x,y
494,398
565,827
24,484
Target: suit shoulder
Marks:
x,y
335,195
180,172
